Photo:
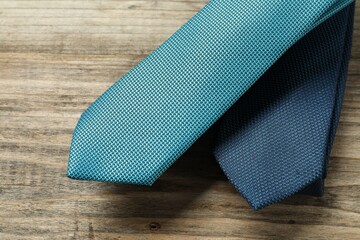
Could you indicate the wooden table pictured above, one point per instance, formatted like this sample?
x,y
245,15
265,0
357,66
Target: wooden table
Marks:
x,y
56,58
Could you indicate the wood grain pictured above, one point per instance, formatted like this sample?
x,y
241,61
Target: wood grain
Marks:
x,y
56,58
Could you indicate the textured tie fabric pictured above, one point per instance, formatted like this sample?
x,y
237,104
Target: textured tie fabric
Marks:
x,y
277,139
275,71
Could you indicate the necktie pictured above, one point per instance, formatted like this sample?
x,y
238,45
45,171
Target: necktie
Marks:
x,y
275,71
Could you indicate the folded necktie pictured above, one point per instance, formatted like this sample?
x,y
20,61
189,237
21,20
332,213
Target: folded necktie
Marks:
x,y
274,71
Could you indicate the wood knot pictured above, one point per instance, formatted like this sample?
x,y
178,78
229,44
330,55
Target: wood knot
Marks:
x,y
291,222
154,226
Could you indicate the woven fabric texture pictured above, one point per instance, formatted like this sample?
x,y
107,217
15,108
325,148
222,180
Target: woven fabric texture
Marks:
x,y
271,146
295,53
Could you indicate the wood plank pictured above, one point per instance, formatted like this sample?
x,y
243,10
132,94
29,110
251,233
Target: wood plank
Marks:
x,y
56,58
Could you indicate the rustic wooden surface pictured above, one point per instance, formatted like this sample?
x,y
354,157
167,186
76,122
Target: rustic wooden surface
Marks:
x,y
56,57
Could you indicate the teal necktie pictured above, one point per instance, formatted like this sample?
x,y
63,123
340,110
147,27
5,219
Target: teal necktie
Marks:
x,y
152,115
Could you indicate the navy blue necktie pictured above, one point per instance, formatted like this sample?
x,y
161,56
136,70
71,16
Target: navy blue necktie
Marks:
x,y
276,140
273,72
